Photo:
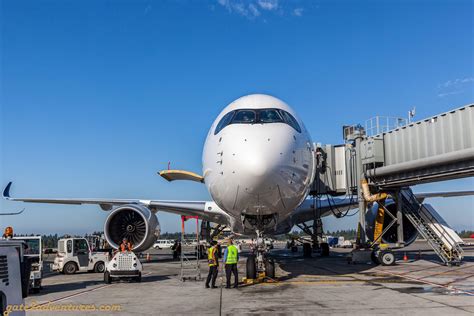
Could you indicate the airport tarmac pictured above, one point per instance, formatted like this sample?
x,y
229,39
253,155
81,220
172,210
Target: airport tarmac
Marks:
x,y
324,286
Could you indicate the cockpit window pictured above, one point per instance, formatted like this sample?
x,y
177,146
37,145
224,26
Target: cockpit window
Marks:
x,y
225,120
261,116
269,116
290,120
244,117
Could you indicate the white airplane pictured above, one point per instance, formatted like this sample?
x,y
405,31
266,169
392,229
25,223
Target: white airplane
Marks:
x,y
258,165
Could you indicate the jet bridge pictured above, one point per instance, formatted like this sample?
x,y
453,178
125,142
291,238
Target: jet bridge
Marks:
x,y
434,149
390,158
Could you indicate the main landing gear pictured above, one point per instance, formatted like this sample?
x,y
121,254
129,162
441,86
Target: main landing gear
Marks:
x,y
316,232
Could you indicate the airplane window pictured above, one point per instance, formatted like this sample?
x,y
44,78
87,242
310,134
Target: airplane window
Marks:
x,y
250,117
244,117
269,116
290,120
224,122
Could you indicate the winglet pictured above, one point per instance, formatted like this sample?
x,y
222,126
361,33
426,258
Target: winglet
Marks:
x,y
172,175
6,192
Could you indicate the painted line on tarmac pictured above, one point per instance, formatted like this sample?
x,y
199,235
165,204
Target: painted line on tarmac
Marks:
x,y
339,282
450,288
81,293
312,282
418,270
448,271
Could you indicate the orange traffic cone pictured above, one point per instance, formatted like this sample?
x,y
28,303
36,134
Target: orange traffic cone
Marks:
x,y
405,258
148,257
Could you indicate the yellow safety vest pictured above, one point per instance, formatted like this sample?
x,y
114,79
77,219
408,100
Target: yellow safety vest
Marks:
x,y
231,254
211,257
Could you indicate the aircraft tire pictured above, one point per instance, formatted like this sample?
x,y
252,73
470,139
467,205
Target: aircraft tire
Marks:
x,y
324,249
251,268
307,250
270,268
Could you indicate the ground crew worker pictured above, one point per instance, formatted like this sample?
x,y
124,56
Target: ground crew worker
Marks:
x,y
125,245
213,262
176,249
231,257
8,233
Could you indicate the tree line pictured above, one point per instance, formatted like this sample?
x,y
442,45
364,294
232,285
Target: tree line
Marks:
x,y
51,241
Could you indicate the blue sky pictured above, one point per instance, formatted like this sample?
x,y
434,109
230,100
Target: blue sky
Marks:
x,y
97,96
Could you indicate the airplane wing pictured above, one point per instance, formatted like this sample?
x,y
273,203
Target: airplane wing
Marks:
x,y
443,194
206,210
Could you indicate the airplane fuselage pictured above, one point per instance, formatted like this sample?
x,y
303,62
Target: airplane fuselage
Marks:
x,y
258,162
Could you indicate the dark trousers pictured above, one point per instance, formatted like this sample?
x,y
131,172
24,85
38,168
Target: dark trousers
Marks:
x,y
212,274
229,269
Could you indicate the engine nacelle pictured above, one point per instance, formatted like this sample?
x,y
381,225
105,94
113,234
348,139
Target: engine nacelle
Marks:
x,y
136,223
409,231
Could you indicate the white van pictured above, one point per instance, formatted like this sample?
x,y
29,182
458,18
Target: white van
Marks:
x,y
163,244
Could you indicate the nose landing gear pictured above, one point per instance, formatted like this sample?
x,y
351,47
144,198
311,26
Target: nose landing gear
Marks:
x,y
259,266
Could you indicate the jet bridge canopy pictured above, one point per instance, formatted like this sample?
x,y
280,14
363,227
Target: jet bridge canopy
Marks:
x,y
438,148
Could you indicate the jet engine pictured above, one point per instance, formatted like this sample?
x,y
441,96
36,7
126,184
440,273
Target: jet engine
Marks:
x,y
136,223
409,231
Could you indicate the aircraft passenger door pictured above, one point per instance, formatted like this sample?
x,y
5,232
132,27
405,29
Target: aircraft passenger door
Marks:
x,y
81,250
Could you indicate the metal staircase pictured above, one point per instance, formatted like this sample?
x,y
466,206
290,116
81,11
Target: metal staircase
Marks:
x,y
190,264
441,238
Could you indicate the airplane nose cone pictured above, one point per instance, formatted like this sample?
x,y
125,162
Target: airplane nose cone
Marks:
x,y
259,167
254,166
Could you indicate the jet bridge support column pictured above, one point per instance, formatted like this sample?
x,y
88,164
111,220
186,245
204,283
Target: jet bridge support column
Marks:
x,y
360,176
400,236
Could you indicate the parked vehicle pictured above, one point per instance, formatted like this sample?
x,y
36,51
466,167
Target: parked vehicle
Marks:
x,y
14,264
124,265
33,252
346,244
50,251
74,254
163,244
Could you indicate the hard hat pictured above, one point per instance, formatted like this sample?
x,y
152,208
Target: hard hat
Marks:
x,y
9,231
